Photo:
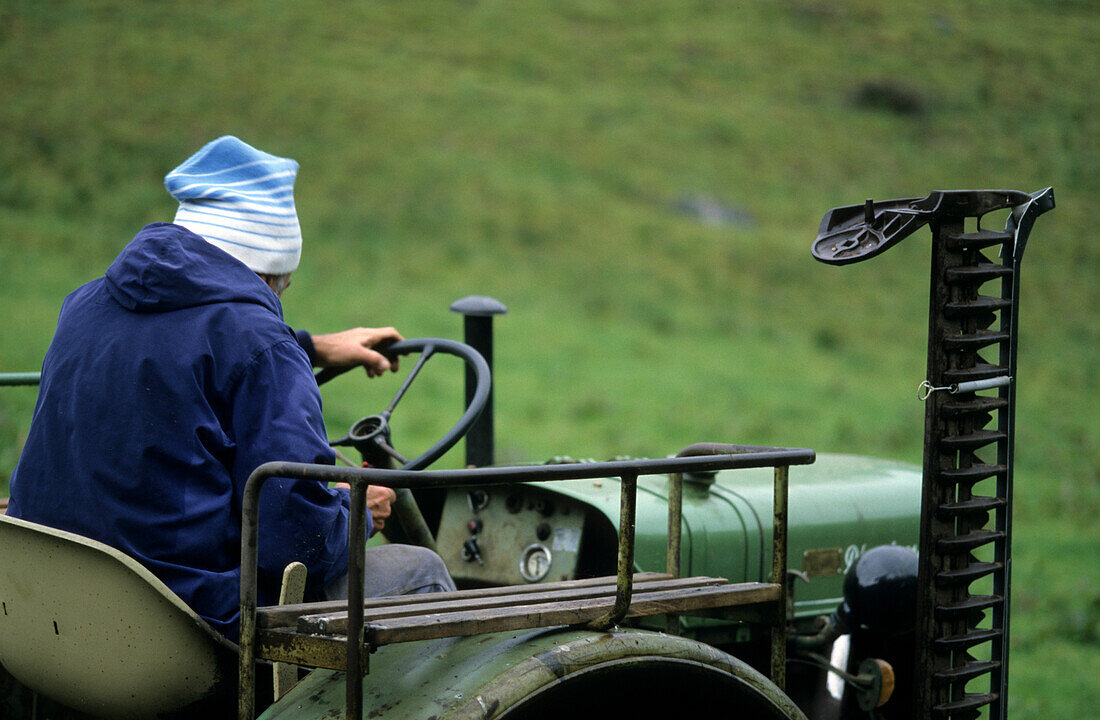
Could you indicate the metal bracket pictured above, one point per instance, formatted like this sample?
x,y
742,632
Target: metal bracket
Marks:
x,y
857,232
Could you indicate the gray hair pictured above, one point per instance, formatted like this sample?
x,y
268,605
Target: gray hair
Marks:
x,y
277,283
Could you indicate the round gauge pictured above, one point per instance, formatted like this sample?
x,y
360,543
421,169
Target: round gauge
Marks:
x,y
478,500
534,563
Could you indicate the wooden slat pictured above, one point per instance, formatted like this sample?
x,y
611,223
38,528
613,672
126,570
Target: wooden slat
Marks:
x,y
337,623
408,629
287,615
293,589
677,596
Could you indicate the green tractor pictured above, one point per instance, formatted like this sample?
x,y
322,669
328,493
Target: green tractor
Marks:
x,y
743,581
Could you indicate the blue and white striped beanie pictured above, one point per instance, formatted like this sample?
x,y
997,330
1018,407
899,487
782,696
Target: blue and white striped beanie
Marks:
x,y
241,200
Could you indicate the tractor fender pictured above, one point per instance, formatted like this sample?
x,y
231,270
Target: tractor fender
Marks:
x,y
544,673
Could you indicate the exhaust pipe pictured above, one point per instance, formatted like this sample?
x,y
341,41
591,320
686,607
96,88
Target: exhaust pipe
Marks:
x,y
478,312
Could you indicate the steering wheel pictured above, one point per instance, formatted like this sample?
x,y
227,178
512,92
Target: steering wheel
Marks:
x,y
371,435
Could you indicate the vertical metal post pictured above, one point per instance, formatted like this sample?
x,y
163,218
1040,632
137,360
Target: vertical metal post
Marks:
x,y
675,521
779,576
1006,418
624,585
246,652
1020,224
357,548
246,669
478,312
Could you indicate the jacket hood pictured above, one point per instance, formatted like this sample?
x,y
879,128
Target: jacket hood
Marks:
x,y
167,267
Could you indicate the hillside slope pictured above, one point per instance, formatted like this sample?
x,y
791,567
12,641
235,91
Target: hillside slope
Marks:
x,y
640,184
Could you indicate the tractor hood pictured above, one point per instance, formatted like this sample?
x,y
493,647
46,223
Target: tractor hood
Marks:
x,y
540,532
838,507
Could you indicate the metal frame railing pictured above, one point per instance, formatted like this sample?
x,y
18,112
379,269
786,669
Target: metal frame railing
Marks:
x,y
707,458
23,378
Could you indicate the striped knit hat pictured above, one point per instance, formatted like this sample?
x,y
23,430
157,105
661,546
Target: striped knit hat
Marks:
x,y
241,200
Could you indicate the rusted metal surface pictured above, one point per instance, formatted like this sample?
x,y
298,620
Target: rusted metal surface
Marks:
x,y
290,647
625,577
675,523
675,538
968,437
822,562
779,577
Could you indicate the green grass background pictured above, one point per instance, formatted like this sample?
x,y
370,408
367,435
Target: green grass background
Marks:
x,y
540,153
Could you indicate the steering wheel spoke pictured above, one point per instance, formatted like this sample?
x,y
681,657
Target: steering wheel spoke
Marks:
x,y
424,355
389,450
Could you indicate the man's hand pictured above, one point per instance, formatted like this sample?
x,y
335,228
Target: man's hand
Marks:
x,y
354,347
379,501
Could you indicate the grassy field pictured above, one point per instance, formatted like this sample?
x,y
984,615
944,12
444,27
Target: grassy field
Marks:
x,y
640,184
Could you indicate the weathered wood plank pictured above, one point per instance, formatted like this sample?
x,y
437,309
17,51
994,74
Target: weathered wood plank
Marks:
x,y
743,599
337,623
286,616
408,629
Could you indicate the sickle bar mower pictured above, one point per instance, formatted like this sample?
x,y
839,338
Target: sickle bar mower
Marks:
x,y
966,505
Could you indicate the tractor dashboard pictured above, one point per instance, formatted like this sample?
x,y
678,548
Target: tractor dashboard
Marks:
x,y
522,534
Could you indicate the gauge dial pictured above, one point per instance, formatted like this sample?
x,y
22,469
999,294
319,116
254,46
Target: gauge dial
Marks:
x,y
534,563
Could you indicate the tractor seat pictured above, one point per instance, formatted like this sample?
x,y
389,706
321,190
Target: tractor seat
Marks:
x,y
87,626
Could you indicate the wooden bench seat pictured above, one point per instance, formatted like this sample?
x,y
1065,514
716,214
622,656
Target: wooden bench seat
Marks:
x,y
317,630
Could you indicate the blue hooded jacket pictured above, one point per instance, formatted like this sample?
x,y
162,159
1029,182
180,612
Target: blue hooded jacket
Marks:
x,y
167,382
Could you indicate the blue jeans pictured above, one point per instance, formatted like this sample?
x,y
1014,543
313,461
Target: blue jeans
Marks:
x,y
396,570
